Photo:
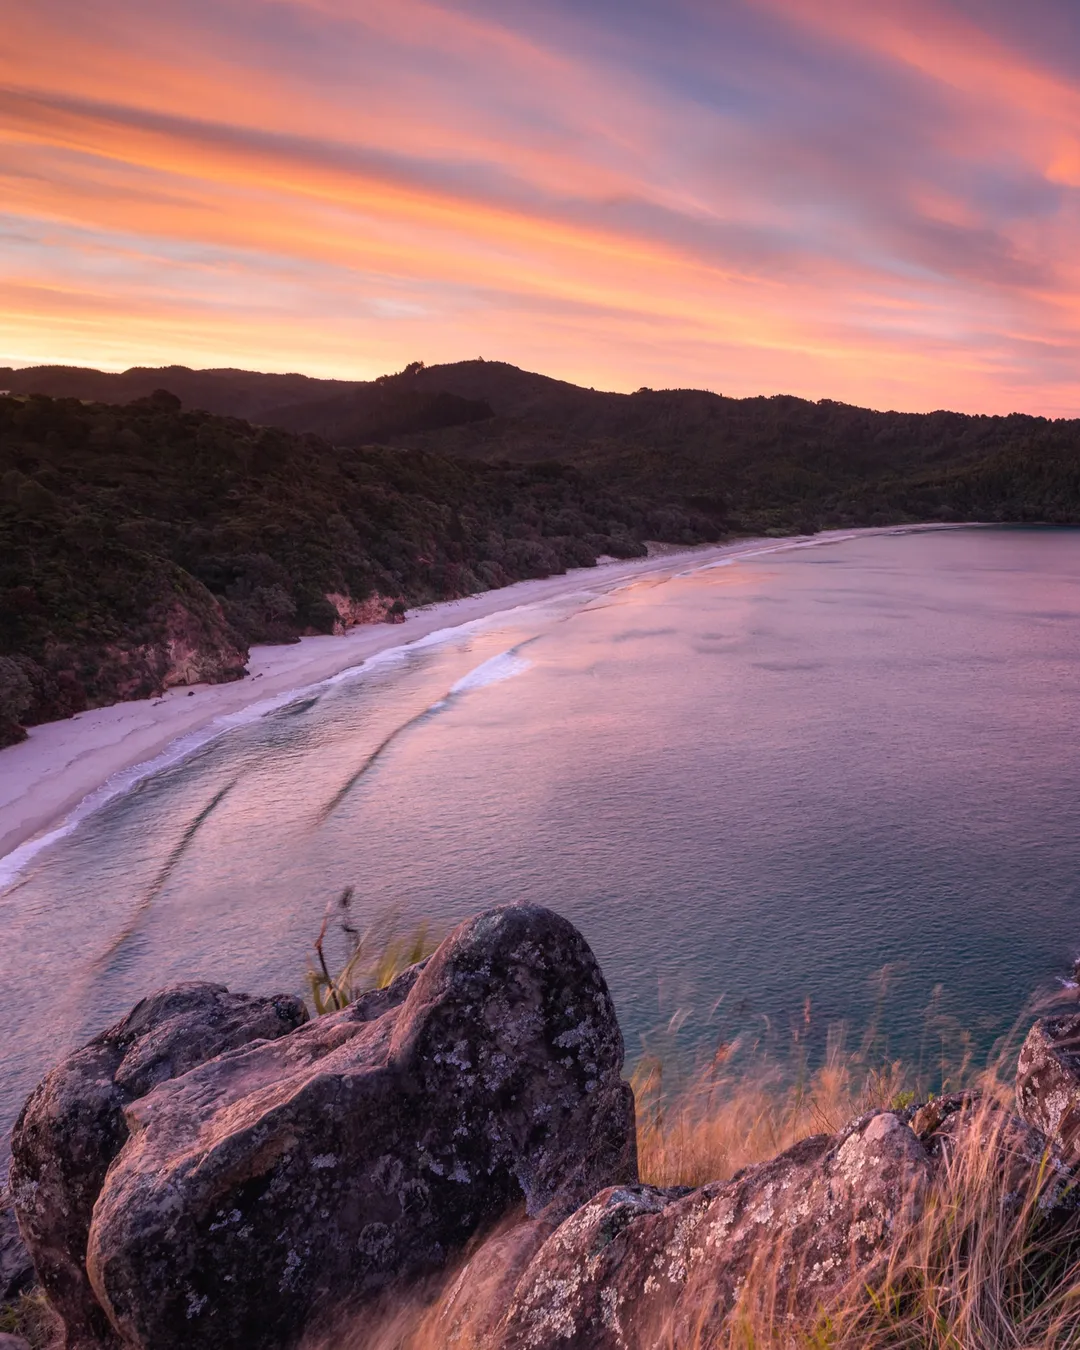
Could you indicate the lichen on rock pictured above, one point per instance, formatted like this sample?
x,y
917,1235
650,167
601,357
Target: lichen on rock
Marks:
x,y
637,1262
264,1188
218,1171
1048,1081
74,1125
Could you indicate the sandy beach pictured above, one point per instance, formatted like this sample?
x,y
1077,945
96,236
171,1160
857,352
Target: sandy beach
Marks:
x,y
66,769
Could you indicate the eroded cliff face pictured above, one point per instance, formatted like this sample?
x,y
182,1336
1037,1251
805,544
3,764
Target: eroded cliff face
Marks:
x,y
195,646
375,609
184,639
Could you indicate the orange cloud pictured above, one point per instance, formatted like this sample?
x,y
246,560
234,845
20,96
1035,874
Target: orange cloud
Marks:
x,y
342,188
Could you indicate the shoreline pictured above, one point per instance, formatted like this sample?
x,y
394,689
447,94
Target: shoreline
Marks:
x,y
66,770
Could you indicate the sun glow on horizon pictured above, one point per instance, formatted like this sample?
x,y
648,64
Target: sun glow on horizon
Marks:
x,y
878,206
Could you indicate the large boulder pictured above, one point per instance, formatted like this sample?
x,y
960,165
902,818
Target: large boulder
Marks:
x,y
638,1266
1002,1155
73,1125
16,1267
265,1189
1048,1082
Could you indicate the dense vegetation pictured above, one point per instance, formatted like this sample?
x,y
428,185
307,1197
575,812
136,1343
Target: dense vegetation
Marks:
x,y
145,545
349,412
750,465
142,546
781,463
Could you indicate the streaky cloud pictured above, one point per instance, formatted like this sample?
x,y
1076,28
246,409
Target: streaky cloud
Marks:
x,y
872,203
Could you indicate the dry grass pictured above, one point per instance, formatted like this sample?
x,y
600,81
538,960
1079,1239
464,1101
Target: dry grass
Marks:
x,y
31,1317
984,1268
734,1113
763,1090
987,1267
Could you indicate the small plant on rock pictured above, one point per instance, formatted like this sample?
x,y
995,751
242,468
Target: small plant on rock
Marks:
x,y
373,958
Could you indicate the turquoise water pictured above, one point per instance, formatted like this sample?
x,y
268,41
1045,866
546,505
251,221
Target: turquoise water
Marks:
x,y
750,786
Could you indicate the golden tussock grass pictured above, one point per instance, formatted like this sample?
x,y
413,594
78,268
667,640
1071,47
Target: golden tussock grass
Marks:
x,y
983,1268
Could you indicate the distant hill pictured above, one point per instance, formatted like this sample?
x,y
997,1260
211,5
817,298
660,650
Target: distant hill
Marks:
x,y
755,464
771,463
254,395
231,393
350,411
384,411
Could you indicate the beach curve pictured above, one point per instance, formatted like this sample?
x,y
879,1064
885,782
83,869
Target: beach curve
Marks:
x,y
66,770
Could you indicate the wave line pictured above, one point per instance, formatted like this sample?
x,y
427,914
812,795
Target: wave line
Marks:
x,y
492,671
158,885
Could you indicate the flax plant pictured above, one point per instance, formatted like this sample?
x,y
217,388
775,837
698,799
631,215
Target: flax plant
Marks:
x,y
373,958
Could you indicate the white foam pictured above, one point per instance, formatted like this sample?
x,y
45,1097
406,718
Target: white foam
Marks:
x,y
392,656
396,655
502,667
781,546
16,862
20,858
492,671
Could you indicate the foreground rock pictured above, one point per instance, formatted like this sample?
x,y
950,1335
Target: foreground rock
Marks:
x,y
16,1267
74,1124
263,1189
1048,1081
218,1172
641,1266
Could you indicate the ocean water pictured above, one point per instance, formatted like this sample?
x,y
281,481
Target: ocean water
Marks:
x,y
837,784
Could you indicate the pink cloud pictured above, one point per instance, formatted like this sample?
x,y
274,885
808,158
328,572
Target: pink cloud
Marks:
x,y
877,204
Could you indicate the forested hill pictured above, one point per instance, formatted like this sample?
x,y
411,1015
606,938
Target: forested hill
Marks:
x,y
780,463
145,545
349,411
750,464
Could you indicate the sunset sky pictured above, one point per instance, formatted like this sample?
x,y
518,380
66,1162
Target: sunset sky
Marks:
x,y
870,200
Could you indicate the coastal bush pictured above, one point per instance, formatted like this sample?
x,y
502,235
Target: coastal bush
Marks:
x,y
16,696
743,464
128,534
109,514
771,464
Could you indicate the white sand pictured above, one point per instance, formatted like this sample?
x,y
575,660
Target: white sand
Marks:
x,y
79,762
